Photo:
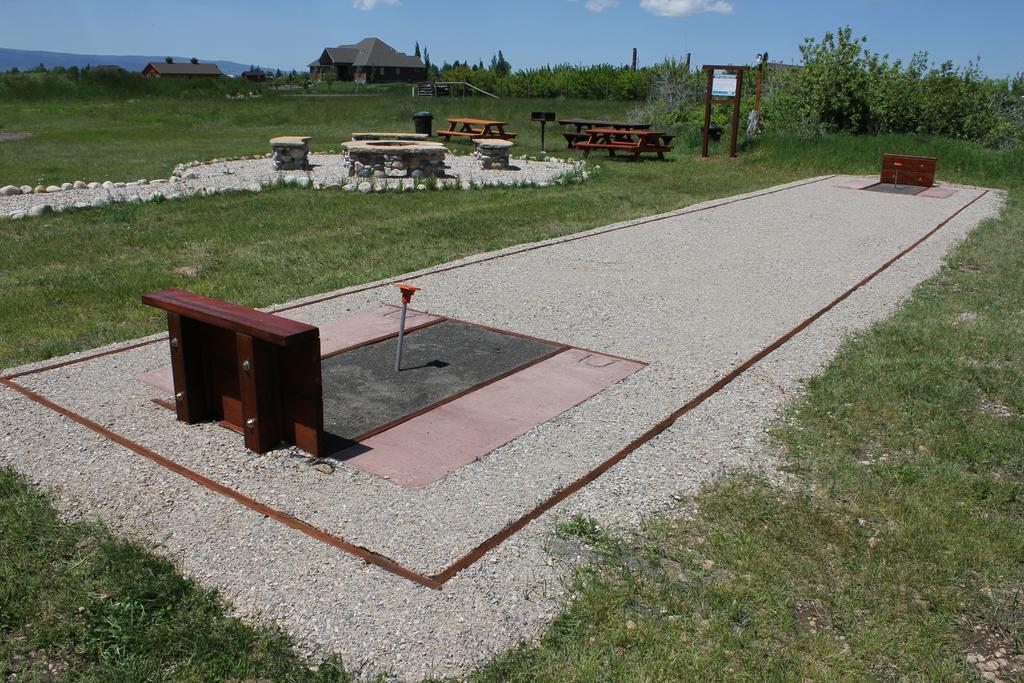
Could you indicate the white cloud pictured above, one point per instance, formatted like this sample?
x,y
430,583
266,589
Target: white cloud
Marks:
x,y
370,4
682,8
600,5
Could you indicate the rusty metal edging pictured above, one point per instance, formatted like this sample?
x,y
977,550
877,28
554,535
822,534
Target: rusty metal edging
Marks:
x,y
437,581
660,427
360,552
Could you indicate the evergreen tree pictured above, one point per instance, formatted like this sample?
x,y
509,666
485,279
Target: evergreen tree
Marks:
x,y
500,65
417,52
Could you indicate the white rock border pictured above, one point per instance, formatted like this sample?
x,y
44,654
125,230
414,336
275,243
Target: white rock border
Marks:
x,y
238,174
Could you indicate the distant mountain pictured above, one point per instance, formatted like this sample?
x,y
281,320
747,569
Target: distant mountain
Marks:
x,y
30,59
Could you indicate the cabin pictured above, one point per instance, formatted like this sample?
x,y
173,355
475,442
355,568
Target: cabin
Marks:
x,y
371,60
254,75
191,69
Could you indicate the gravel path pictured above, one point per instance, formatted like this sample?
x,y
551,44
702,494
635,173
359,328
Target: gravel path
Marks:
x,y
329,171
694,294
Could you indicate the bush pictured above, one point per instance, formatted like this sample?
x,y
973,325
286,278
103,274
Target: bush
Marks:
x,y
106,85
843,87
599,82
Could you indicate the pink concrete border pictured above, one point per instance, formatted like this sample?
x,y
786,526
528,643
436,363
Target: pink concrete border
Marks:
x,y
429,447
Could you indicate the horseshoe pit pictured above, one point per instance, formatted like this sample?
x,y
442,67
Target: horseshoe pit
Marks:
x,y
395,158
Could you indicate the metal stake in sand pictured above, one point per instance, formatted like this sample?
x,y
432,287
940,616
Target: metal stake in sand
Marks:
x,y
407,292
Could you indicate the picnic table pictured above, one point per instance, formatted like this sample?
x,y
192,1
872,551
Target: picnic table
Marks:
x,y
583,125
476,128
635,142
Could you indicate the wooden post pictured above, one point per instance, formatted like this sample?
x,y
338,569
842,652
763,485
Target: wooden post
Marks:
x,y
261,414
687,62
187,369
634,59
736,113
757,94
734,101
707,114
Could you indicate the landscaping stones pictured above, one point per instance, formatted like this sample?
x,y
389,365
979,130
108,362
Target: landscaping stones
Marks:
x,y
493,153
290,152
396,158
327,171
40,210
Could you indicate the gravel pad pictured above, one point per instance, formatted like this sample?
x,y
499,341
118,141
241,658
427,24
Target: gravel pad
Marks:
x,y
695,293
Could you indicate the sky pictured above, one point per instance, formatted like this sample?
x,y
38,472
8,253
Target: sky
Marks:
x,y
529,32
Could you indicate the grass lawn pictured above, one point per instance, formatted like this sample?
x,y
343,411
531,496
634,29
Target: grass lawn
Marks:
x,y
898,550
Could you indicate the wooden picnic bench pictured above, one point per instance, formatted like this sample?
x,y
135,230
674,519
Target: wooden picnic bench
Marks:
x,y
635,142
476,128
255,372
584,125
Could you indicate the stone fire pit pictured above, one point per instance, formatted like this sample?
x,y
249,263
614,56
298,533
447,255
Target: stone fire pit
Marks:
x,y
291,152
395,158
419,137
493,153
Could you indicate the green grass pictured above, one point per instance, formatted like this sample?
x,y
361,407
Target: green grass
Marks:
x,y
892,569
898,548
78,604
72,281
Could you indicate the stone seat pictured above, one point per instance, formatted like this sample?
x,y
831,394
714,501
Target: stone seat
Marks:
x,y
290,152
291,141
493,153
493,143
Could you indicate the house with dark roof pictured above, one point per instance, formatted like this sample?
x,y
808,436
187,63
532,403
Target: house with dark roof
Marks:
x,y
256,75
171,69
370,60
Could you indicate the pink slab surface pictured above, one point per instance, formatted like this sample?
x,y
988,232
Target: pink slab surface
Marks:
x,y
426,448
360,328
857,183
337,335
938,192
160,378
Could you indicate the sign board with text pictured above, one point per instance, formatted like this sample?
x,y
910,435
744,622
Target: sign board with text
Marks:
x,y
723,85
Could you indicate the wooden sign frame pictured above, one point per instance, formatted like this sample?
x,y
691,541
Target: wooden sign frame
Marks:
x,y
710,100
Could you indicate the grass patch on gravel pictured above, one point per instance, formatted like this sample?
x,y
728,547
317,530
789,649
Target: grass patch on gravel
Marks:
x,y
896,553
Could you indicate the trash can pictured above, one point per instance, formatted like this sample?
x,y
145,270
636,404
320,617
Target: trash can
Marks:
x,y
424,121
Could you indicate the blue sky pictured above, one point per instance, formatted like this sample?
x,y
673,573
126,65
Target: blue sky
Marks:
x,y
529,32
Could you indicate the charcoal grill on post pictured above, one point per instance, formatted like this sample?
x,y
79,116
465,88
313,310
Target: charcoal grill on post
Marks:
x,y
543,117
